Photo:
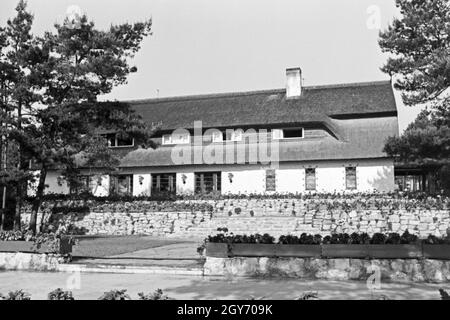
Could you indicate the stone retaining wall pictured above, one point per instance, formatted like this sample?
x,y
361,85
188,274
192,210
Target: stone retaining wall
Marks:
x,y
275,217
30,261
398,270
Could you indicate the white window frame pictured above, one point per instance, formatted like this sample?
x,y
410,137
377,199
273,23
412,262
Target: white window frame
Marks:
x,y
168,139
217,136
116,142
278,134
237,135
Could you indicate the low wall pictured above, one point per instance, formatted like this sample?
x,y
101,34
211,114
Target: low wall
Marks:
x,y
273,216
30,261
398,270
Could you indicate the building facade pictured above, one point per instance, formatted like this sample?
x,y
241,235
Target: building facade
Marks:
x,y
293,140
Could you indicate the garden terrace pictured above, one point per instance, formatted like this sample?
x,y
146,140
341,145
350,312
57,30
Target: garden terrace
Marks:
x,y
277,215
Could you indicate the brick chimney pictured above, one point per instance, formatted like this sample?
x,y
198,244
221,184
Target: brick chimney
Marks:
x,y
293,83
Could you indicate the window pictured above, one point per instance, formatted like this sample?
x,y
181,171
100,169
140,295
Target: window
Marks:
x,y
236,135
350,178
217,136
82,184
277,134
293,133
270,180
289,133
410,182
176,138
122,185
163,183
115,141
208,182
310,179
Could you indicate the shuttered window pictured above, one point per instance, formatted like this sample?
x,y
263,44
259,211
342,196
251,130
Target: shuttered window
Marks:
x,y
208,182
310,179
270,180
350,178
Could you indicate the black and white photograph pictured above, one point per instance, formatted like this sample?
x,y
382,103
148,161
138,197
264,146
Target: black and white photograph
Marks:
x,y
224,155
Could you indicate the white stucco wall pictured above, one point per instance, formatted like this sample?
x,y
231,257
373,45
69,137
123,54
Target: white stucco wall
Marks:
x,y
250,180
100,185
290,178
53,184
142,184
188,186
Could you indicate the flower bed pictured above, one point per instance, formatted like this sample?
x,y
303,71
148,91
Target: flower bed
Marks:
x,y
360,246
42,243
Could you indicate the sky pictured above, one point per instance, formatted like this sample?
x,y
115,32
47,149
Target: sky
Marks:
x,y
215,46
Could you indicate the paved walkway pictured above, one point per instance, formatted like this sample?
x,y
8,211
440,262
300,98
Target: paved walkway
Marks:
x,y
181,254
91,286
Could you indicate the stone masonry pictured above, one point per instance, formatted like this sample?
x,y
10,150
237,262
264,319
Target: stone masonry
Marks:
x,y
273,216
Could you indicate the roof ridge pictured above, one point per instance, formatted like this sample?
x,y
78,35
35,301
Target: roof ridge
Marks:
x,y
254,92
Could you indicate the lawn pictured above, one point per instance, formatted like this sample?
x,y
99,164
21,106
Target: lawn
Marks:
x,y
104,246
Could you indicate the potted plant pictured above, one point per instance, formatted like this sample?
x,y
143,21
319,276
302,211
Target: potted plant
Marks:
x,y
436,248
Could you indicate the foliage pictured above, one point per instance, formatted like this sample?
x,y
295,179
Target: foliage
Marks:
x,y
16,295
427,139
115,295
444,294
336,238
60,294
157,295
310,295
419,42
56,203
303,239
16,236
65,71
50,240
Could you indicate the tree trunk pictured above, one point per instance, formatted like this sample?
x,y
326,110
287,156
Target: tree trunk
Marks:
x,y
37,200
19,189
18,211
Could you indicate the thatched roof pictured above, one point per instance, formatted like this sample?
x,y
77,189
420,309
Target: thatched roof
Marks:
x,y
359,117
268,107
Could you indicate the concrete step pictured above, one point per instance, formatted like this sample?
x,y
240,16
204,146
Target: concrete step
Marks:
x,y
196,270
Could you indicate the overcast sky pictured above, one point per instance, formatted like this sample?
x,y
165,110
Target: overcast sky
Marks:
x,y
211,46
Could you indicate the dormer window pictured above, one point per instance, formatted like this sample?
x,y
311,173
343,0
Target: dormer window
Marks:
x,y
236,135
289,133
176,138
217,136
114,141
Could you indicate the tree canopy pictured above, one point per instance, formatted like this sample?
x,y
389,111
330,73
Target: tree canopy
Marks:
x,y
419,44
51,102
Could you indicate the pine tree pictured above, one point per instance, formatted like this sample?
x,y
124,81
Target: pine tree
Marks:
x,y
419,44
66,71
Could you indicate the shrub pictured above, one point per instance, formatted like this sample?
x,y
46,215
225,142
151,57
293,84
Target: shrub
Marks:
x,y
59,294
16,295
378,238
309,296
337,238
115,295
157,295
444,294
